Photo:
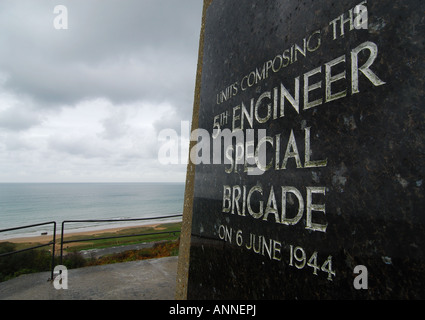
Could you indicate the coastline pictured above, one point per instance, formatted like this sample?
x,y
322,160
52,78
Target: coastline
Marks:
x,y
71,233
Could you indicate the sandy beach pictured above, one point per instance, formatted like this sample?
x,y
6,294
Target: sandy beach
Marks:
x,y
48,238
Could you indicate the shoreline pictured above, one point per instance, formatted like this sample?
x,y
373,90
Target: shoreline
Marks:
x,y
74,232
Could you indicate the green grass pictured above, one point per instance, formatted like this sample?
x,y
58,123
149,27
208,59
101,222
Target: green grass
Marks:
x,y
105,243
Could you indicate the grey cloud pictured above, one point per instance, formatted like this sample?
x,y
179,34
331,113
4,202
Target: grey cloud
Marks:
x,y
15,143
128,52
18,119
114,127
122,50
82,147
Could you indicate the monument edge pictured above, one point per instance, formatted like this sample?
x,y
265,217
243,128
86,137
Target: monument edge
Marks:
x,y
184,248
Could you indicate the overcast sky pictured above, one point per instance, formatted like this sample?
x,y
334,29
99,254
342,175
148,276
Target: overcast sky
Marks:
x,y
86,104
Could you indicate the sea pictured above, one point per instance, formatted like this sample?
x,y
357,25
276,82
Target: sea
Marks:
x,y
23,204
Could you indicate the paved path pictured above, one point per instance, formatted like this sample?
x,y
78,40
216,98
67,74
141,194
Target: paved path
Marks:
x,y
152,279
97,253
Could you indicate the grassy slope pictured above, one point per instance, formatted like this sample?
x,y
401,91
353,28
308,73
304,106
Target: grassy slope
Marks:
x,y
39,259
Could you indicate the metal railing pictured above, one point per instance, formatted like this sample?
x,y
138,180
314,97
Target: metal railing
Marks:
x,y
62,241
111,237
51,243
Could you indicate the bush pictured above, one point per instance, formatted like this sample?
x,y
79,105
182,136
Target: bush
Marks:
x,y
74,260
24,262
160,250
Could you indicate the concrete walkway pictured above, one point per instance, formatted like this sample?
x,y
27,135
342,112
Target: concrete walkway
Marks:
x,y
152,279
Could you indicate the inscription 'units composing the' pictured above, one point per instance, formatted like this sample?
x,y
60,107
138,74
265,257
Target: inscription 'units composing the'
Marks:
x,y
270,105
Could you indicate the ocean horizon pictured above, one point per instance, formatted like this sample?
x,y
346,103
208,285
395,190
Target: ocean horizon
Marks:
x,y
24,204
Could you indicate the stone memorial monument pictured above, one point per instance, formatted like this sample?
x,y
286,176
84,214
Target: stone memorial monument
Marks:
x,y
307,169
